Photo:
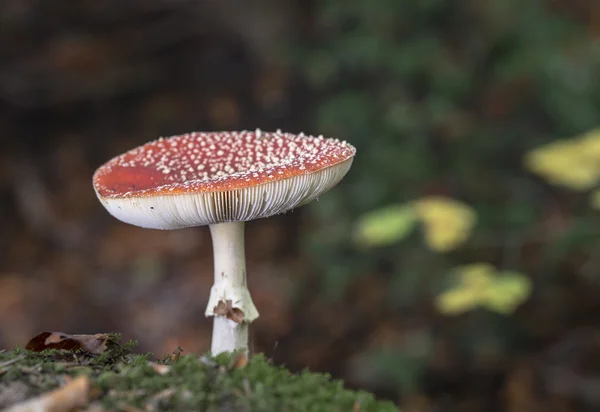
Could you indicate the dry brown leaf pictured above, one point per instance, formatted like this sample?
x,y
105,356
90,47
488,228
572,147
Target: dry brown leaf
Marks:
x,y
226,309
57,340
72,395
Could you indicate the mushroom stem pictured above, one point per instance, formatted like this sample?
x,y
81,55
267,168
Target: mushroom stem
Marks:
x,y
230,302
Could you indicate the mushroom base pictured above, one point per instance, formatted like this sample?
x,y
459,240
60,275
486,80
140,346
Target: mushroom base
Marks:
x,y
229,336
230,302
233,311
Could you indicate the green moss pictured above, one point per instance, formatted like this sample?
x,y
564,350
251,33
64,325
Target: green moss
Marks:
x,y
124,380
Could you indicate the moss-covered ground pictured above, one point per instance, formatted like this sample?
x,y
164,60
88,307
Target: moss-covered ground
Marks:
x,y
123,380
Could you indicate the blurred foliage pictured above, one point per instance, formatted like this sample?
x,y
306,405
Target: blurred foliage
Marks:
x,y
478,285
390,367
447,223
574,163
385,226
447,99
595,199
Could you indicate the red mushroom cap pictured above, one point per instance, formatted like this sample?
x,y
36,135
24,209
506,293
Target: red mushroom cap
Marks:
x,y
203,178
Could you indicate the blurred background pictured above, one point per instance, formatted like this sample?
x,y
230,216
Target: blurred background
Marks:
x,y
455,268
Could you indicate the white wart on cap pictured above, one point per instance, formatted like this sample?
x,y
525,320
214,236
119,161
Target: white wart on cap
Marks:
x,y
200,179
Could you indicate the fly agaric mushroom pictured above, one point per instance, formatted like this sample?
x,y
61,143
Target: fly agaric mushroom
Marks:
x,y
221,179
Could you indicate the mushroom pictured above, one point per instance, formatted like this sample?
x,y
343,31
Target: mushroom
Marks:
x,y
221,179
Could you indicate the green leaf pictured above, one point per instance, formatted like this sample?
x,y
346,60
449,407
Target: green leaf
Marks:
x,y
507,292
385,226
595,199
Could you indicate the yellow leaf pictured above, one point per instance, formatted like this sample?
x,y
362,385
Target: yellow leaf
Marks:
x,y
456,301
590,143
473,280
480,285
574,163
447,222
507,292
385,226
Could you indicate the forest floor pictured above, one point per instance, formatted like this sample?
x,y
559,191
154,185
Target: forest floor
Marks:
x,y
97,373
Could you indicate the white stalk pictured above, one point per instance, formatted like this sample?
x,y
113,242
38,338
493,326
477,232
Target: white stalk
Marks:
x,y
230,302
